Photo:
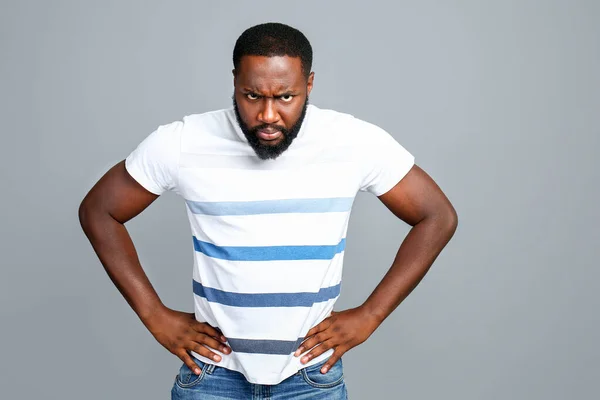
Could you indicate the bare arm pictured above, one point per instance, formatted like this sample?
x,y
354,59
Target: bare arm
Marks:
x,y
114,200
419,202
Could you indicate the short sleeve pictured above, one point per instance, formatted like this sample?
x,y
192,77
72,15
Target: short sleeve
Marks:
x,y
154,163
384,161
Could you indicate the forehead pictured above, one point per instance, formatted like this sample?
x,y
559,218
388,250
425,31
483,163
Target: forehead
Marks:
x,y
266,72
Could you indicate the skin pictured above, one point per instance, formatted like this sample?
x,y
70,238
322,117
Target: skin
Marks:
x,y
418,201
271,91
268,90
113,200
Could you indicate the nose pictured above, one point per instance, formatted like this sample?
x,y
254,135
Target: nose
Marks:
x,y
268,112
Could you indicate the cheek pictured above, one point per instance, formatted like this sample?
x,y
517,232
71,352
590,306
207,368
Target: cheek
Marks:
x,y
247,112
290,115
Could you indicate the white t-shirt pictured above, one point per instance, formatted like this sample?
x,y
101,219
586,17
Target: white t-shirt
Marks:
x,y
268,235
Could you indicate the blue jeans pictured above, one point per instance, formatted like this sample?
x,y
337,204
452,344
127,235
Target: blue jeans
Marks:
x,y
218,383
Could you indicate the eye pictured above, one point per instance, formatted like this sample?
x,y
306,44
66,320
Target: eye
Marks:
x,y
286,98
252,96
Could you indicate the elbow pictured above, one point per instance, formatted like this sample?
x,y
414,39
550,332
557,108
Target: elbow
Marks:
x,y
445,220
449,220
93,217
83,214
88,215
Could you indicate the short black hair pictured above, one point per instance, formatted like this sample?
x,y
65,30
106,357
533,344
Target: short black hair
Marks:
x,y
274,39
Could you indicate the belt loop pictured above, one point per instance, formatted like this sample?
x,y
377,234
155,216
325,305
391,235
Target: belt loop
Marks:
x,y
210,368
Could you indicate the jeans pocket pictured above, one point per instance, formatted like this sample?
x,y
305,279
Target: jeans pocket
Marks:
x,y
187,379
313,376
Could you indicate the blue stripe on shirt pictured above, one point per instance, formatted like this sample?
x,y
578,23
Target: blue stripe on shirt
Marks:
x,y
259,346
300,299
269,253
334,204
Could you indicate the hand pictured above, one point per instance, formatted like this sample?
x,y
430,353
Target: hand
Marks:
x,y
340,331
180,332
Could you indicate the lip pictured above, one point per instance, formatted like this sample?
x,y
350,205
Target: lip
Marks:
x,y
268,135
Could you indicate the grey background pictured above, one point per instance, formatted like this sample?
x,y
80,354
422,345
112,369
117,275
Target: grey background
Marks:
x,y
498,101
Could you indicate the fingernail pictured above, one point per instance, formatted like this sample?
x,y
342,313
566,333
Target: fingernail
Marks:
x,y
304,359
324,370
223,338
224,349
197,371
216,358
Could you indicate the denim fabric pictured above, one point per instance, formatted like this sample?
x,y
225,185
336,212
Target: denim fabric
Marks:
x,y
217,383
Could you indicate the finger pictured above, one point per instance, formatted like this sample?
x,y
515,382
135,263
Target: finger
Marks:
x,y
317,351
187,360
337,354
211,342
203,351
309,343
203,327
312,342
320,327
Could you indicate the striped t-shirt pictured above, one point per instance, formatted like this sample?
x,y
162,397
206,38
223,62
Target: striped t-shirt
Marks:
x,y
268,235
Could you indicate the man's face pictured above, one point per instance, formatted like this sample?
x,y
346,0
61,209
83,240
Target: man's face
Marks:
x,y
270,99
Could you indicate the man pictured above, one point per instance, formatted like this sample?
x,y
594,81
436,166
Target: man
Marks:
x,y
268,186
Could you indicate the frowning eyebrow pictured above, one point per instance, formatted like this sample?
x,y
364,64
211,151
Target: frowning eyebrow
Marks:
x,y
287,92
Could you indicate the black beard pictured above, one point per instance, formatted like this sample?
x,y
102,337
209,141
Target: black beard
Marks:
x,y
265,152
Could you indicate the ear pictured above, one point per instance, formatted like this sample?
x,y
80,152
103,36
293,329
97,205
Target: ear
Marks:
x,y
309,84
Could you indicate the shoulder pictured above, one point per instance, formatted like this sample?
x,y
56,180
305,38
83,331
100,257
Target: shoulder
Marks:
x,y
170,135
216,118
326,125
210,127
346,127
326,117
221,122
